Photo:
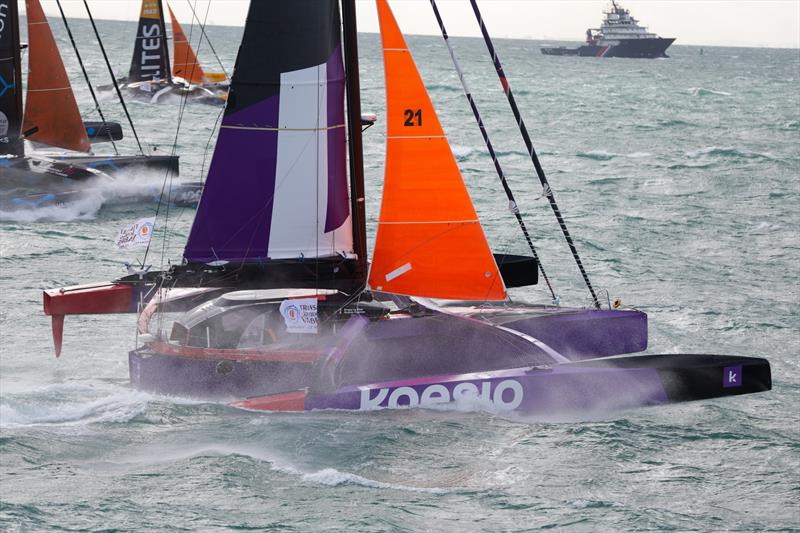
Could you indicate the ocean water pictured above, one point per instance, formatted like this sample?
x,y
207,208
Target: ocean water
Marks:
x,y
679,178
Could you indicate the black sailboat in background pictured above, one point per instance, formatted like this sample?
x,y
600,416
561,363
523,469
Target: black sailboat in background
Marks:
x,y
62,166
150,76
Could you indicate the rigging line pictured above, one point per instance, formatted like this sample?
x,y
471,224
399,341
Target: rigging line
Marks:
x,y
169,176
529,145
490,147
208,143
113,78
86,76
203,32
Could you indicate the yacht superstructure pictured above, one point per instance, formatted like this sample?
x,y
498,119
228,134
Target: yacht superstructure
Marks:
x,y
620,35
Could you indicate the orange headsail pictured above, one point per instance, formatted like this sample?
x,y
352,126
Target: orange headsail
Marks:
x,y
430,242
51,113
185,64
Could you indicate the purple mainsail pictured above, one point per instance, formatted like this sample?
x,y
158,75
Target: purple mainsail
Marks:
x,y
277,187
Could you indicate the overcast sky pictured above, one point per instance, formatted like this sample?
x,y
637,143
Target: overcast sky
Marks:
x,y
774,23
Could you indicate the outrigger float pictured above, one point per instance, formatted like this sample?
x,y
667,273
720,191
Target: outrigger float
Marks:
x,y
276,308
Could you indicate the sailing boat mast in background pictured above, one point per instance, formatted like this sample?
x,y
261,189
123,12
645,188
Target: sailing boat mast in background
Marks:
x,y
11,140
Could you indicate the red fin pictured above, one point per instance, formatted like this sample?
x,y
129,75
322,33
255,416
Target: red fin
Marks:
x,y
58,332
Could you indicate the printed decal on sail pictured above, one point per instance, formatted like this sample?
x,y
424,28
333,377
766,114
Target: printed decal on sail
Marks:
x,y
3,127
150,61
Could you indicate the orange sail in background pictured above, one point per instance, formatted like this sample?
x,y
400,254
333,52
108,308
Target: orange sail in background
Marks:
x,y
430,242
51,113
185,64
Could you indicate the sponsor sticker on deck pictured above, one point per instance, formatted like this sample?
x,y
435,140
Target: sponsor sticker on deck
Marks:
x,y
300,315
732,376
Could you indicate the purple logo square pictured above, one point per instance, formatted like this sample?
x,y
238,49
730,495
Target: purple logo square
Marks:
x,y
732,376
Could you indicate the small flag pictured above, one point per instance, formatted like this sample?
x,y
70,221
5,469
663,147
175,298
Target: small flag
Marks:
x,y
137,234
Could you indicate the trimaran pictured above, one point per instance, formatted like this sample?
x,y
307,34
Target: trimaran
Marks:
x,y
150,76
279,307
50,119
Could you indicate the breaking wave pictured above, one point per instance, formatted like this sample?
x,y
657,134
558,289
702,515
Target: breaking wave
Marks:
x,y
701,91
65,404
462,152
729,152
325,476
602,155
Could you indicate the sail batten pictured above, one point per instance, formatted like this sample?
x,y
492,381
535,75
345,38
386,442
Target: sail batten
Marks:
x,y
51,112
429,242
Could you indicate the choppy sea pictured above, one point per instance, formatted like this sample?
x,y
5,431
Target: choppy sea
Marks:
x,y
679,178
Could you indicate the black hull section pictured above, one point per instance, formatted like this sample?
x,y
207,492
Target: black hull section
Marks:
x,y
32,181
632,48
689,377
113,164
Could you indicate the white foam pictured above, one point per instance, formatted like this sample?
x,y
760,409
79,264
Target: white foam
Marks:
x,y
50,406
326,476
90,197
85,208
334,478
461,152
701,91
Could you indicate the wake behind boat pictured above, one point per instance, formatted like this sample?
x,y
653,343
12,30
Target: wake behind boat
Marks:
x,y
275,306
620,35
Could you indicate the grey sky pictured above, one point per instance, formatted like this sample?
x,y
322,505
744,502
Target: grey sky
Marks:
x,y
774,23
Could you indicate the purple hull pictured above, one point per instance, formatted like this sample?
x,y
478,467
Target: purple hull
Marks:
x,y
585,387
405,348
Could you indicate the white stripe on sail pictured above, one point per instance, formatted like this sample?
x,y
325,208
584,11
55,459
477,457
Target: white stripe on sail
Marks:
x,y
301,176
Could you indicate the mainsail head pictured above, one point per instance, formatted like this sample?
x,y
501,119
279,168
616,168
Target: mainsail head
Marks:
x,y
430,242
10,80
184,60
51,113
150,56
277,185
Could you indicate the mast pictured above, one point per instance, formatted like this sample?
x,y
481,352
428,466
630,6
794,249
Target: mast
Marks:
x,y
356,150
164,43
11,142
